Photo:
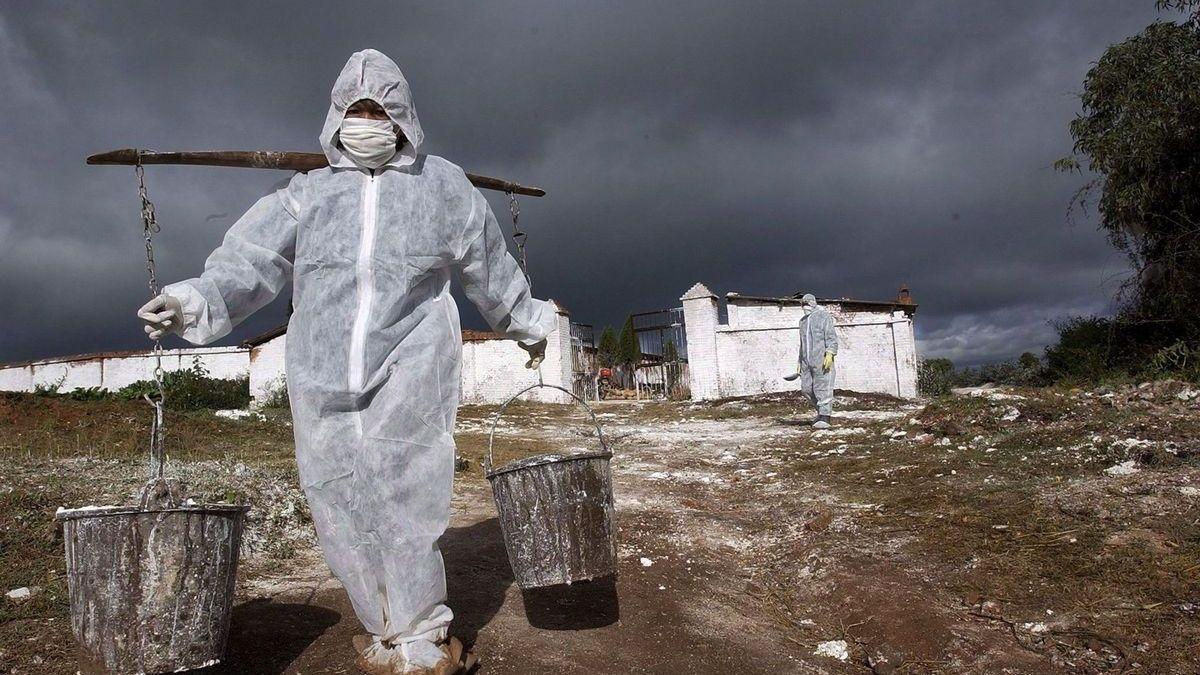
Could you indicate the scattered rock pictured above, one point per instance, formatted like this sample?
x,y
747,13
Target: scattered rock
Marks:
x,y
646,562
834,649
1126,468
1037,628
819,522
885,659
1010,415
23,593
1141,538
236,414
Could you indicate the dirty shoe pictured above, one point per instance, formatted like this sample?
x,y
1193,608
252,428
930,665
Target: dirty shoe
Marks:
x,y
379,658
822,422
361,642
376,658
457,660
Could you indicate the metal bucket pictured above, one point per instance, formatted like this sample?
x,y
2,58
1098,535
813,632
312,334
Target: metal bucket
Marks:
x,y
151,587
556,511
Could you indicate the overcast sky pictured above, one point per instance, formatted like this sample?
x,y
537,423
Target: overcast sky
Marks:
x,y
835,147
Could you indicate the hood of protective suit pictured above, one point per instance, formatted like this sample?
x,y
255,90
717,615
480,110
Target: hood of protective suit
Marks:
x,y
372,75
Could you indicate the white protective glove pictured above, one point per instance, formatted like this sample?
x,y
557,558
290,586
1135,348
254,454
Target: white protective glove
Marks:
x,y
537,352
162,315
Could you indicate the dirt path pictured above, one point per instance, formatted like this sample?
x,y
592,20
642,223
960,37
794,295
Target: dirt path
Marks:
x,y
715,548
685,612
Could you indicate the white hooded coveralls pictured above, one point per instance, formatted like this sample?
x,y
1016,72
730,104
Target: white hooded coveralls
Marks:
x,y
817,336
373,344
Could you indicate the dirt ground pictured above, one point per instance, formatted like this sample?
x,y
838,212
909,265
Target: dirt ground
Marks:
x,y
1014,531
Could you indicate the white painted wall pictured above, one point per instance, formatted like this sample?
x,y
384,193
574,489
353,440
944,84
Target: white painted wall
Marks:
x,y
267,368
111,371
492,370
760,343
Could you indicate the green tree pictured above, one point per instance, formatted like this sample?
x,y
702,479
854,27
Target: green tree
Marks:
x,y
670,352
1192,7
606,353
1139,133
629,352
935,377
1084,351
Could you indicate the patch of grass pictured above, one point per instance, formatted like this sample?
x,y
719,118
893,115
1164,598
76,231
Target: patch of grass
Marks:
x,y
1035,524
31,551
49,427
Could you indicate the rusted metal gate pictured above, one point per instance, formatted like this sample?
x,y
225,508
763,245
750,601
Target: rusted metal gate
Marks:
x,y
662,337
585,375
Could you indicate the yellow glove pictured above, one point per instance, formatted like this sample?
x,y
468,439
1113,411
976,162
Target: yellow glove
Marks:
x,y
828,362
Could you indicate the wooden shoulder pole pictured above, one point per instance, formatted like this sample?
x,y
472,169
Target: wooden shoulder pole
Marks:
x,y
268,159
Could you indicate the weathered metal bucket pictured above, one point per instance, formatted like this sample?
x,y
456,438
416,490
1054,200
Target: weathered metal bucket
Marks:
x,y
151,586
556,511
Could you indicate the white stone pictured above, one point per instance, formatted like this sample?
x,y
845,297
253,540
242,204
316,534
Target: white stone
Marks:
x,y
834,649
239,414
1126,468
24,593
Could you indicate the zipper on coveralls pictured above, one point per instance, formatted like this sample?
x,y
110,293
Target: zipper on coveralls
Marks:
x,y
805,339
364,275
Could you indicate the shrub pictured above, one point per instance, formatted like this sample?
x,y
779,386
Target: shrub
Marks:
x,y
935,377
88,394
194,389
1084,351
49,388
1025,371
1177,360
276,396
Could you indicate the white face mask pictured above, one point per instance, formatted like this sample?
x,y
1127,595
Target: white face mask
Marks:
x,y
370,143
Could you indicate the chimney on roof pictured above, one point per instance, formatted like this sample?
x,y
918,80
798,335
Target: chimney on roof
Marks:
x,y
904,297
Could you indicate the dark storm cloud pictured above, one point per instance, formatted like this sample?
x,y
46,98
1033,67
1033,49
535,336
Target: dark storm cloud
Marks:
x,y
841,148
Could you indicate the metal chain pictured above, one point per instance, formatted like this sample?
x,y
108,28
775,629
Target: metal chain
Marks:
x,y
150,227
518,235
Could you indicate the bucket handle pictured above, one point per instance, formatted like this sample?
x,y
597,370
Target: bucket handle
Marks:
x,y
500,411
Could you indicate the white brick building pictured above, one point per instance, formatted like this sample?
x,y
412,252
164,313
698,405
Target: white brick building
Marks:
x,y
759,344
493,369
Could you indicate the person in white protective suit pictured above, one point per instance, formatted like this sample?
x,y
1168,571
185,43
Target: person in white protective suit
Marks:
x,y
374,346
818,347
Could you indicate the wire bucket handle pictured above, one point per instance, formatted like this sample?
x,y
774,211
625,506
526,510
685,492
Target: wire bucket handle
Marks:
x,y
496,418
